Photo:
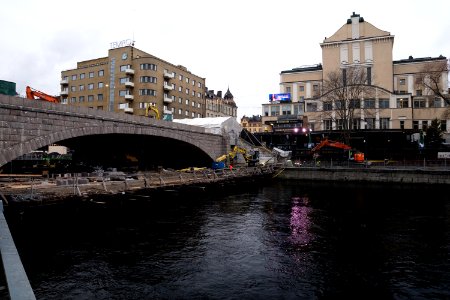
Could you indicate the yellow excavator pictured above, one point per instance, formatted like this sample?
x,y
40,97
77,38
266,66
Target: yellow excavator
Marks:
x,y
154,109
250,159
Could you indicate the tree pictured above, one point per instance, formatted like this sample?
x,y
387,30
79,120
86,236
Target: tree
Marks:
x,y
433,135
341,98
431,77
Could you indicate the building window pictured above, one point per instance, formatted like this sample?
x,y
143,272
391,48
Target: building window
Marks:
x,y
327,125
148,67
436,102
402,81
419,103
275,110
315,87
101,73
180,77
416,125
402,102
328,106
100,97
286,109
340,124
369,75
148,79
186,113
147,92
82,76
91,74
424,125
187,102
288,89
187,80
369,103
402,124
356,124
266,111
384,123
81,99
90,98
311,107
354,103
370,123
180,111
383,103
418,92
81,88
187,91
90,86
100,85
73,99
301,88
74,77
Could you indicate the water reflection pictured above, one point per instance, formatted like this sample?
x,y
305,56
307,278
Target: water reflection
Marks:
x,y
300,221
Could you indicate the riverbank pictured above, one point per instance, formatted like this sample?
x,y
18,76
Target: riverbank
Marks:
x,y
413,176
19,191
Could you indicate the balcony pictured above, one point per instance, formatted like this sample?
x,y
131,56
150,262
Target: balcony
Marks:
x,y
65,92
129,84
168,87
170,75
168,99
129,97
64,82
128,110
129,71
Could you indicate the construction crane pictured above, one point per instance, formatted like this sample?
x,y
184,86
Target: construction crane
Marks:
x,y
34,94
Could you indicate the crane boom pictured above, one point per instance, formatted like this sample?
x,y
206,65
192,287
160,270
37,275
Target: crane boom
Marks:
x,y
34,94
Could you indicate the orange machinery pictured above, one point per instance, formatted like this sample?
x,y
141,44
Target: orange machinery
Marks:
x,y
357,157
34,94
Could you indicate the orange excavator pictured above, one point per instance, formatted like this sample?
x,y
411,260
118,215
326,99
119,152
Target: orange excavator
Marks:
x,y
356,157
34,94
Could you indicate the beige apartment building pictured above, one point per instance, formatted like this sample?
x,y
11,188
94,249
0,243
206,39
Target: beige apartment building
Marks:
x,y
395,97
130,80
220,106
252,124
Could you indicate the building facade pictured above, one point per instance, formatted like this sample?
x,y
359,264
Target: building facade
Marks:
x,y
253,124
130,80
218,106
394,96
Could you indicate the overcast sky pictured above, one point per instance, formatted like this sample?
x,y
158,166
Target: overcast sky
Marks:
x,y
243,45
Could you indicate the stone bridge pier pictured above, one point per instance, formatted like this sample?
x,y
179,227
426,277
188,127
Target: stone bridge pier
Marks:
x,y
27,125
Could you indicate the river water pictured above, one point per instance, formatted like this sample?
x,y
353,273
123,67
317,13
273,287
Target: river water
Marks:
x,y
277,241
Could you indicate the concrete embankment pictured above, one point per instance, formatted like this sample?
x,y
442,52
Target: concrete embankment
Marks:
x,y
370,175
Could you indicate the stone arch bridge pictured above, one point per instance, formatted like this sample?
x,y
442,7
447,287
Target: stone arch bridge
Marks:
x,y
27,125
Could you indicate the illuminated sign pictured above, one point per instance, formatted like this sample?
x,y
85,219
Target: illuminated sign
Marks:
x,y
124,43
286,97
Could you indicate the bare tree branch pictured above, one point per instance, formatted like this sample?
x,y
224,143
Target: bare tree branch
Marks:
x,y
430,77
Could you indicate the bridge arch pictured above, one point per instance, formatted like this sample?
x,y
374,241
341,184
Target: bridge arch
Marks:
x,y
27,125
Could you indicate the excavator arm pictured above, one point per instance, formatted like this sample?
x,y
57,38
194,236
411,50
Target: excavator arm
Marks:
x,y
34,94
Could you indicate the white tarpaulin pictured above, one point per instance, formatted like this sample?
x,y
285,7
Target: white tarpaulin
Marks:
x,y
218,125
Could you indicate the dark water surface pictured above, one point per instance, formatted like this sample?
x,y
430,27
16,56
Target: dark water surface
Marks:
x,y
283,241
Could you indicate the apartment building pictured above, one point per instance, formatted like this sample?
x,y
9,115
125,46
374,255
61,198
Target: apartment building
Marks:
x,y
130,80
220,106
253,124
394,96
